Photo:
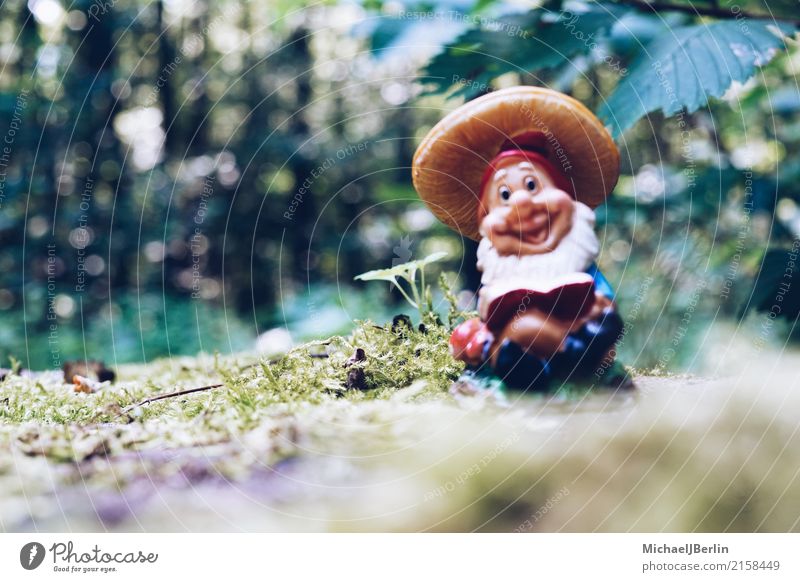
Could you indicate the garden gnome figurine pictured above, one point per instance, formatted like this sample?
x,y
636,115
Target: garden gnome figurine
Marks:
x,y
521,170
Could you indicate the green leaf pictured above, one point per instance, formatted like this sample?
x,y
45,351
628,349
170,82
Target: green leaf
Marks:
x,y
479,52
635,29
482,5
529,42
383,31
401,270
686,66
431,258
560,37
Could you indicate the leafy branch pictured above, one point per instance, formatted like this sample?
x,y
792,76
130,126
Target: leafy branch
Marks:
x,y
671,68
714,11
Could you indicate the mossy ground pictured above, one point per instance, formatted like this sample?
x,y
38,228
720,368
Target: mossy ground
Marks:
x,y
285,444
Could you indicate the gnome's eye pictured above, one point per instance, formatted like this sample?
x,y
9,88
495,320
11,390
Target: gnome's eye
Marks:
x,y
530,183
505,193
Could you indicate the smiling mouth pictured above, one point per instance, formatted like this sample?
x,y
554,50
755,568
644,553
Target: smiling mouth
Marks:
x,y
537,236
530,234
537,229
534,235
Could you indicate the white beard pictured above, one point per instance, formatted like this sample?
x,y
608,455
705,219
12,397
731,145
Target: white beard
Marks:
x,y
574,254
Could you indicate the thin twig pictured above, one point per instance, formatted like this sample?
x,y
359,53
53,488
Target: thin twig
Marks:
x,y
714,11
168,395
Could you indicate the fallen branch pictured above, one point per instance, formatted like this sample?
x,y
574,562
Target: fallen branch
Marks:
x,y
168,395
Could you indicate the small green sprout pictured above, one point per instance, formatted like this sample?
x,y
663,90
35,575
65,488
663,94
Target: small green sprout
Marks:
x,y
420,297
16,365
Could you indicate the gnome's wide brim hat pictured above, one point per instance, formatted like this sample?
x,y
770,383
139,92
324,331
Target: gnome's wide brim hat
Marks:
x,y
450,163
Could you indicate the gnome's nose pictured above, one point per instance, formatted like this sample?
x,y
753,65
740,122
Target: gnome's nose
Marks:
x,y
521,203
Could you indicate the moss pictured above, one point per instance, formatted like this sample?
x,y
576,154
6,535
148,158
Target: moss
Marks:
x,y
43,417
414,452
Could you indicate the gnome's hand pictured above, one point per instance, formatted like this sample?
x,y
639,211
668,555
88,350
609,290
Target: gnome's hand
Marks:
x,y
469,340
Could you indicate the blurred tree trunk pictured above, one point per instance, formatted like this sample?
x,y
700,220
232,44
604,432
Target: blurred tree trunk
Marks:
x,y
297,52
352,248
404,124
256,284
199,103
28,43
166,94
95,64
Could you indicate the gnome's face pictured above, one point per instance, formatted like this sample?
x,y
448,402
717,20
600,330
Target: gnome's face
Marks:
x,y
526,213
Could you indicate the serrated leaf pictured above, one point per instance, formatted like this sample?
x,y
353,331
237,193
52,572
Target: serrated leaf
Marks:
x,y
687,66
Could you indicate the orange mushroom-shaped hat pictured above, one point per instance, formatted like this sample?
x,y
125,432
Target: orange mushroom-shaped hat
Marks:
x,y
451,163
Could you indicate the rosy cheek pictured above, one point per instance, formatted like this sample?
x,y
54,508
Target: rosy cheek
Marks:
x,y
565,205
492,222
566,210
